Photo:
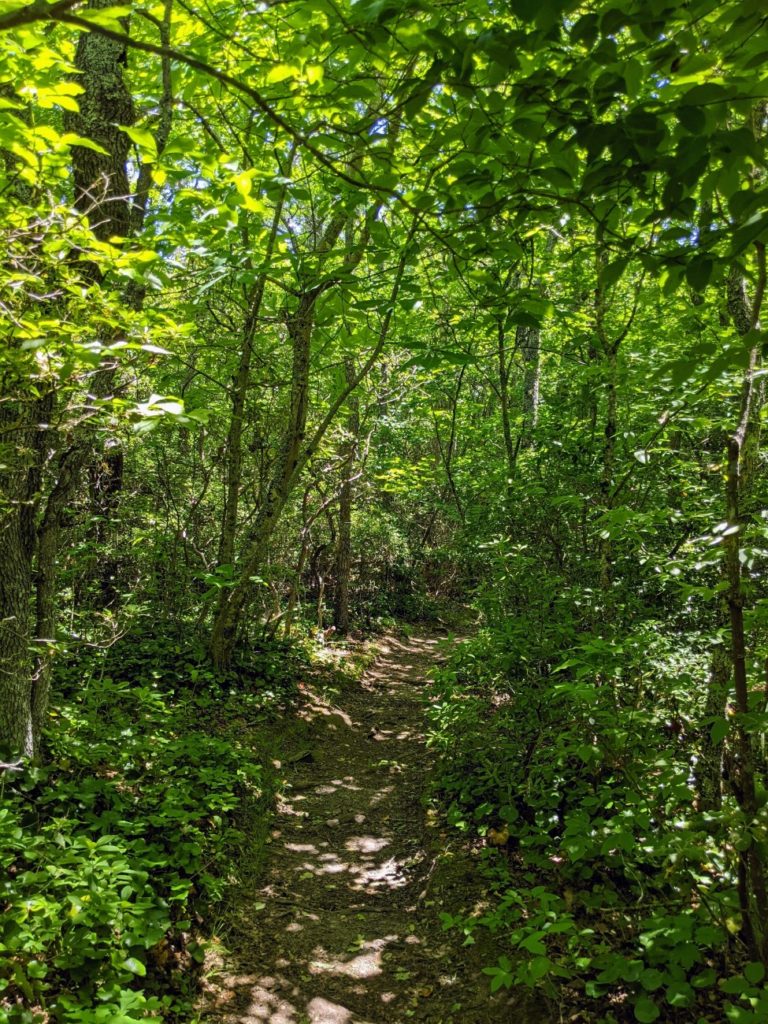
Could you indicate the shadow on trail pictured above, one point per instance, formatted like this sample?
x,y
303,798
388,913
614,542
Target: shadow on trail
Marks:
x,y
344,929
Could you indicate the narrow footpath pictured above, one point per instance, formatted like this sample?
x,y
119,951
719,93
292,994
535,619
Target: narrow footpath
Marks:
x,y
345,928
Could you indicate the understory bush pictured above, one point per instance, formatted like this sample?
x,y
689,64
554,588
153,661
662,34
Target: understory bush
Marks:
x,y
113,853
578,777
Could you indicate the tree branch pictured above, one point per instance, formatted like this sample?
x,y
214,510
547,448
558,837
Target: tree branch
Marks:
x,y
40,10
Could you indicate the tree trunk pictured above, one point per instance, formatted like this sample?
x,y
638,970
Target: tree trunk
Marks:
x,y
102,189
753,898
296,451
234,448
510,449
19,495
232,600
529,344
346,497
608,468
102,193
293,594
742,457
709,768
17,734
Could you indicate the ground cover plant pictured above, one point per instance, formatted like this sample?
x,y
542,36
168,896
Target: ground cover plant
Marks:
x,y
117,851
613,886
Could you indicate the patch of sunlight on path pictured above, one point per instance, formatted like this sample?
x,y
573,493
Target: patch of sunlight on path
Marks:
x,y
345,934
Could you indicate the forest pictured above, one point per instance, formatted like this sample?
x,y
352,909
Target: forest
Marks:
x,y
383,512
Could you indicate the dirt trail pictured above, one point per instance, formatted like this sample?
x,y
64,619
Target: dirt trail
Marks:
x,y
345,928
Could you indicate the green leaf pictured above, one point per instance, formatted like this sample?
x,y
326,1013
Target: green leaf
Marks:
x,y
538,968
754,972
699,271
497,981
679,993
61,95
282,72
693,119
701,95
612,272
528,128
134,966
705,979
107,17
651,979
735,985
556,176
144,140
526,10
749,232
646,1010
718,730
533,943
72,139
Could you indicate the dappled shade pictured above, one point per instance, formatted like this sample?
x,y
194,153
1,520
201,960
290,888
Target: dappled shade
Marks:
x,y
347,932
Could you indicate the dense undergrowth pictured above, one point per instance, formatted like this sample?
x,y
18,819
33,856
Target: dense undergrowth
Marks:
x,y
610,890
115,853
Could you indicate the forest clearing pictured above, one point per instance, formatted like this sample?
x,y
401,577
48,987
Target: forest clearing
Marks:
x,y
383,512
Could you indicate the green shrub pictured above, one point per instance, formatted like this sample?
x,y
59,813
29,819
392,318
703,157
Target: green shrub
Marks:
x,y
606,877
111,854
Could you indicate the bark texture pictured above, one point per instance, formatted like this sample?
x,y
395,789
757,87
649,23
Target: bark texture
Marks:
x,y
102,189
240,385
346,500
52,464
741,476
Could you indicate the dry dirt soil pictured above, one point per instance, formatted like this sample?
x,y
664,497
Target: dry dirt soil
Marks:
x,y
343,925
